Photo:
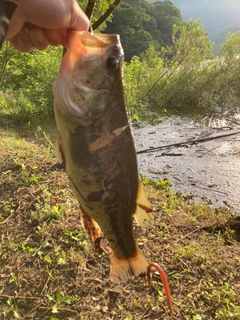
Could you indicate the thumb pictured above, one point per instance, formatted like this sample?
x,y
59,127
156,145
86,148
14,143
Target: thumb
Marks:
x,y
79,21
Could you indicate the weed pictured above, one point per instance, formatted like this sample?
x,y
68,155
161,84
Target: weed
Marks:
x,y
164,184
77,237
11,310
49,270
46,211
59,299
41,135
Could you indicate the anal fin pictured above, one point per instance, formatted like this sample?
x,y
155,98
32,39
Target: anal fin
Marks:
x,y
143,213
93,230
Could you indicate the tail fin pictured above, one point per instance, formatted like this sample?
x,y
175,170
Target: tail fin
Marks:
x,y
122,269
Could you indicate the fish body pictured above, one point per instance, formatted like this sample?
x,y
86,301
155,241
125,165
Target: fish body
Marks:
x,y
97,147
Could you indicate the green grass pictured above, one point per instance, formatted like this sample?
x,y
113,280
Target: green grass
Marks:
x,y
50,271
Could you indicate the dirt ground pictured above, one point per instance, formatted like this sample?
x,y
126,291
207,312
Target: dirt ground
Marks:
x,y
49,270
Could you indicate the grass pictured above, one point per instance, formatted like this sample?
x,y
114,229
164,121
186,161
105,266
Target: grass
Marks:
x,y
50,271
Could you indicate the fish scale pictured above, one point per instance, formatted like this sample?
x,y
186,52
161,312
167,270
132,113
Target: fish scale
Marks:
x,y
95,168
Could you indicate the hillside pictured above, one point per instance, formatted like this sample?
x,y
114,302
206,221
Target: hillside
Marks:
x,y
217,15
220,37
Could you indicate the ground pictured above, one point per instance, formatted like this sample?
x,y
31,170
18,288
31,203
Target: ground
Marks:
x,y
195,152
49,269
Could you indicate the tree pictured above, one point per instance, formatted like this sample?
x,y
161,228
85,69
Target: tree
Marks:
x,y
99,11
142,24
193,81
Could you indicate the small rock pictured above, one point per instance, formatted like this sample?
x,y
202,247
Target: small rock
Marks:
x,y
156,309
104,308
212,185
97,308
95,299
165,171
236,151
153,169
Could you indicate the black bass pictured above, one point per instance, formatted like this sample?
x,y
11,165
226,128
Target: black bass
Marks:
x,y
97,147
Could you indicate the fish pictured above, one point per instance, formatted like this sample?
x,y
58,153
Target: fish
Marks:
x,y
96,146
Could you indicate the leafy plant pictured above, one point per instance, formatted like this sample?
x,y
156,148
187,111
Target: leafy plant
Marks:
x,y
193,80
26,82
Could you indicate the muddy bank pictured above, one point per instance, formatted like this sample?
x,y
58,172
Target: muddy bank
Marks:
x,y
208,170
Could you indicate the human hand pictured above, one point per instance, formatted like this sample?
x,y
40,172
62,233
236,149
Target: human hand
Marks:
x,y
36,24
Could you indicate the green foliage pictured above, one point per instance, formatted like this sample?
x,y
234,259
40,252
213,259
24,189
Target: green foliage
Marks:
x,y
171,68
100,7
165,15
187,74
193,81
142,24
26,81
140,75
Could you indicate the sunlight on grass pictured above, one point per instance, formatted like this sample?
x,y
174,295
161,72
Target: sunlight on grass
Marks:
x,y
48,260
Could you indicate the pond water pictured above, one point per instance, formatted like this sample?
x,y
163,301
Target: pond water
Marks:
x,y
208,170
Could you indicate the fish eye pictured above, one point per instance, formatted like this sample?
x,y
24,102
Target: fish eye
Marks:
x,y
112,63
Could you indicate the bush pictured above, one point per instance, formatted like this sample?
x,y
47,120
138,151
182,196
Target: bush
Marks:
x,y
140,76
193,81
26,81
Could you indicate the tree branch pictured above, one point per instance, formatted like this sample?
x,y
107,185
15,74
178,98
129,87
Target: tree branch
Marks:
x,y
90,9
111,8
181,144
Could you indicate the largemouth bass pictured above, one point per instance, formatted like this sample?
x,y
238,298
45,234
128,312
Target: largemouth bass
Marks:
x,y
97,148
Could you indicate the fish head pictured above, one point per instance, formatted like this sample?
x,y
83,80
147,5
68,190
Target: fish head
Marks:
x,y
89,69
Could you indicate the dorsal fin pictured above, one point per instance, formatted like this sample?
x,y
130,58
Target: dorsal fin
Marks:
x,y
143,213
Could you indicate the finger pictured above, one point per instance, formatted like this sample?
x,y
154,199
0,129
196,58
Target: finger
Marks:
x,y
54,37
65,37
15,26
38,37
79,21
22,41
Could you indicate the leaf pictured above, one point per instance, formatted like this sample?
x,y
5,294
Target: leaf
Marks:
x,y
55,309
48,259
16,314
68,299
60,261
51,298
45,244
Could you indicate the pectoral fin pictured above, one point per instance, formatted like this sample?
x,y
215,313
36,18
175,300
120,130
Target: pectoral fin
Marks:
x,y
143,213
105,139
